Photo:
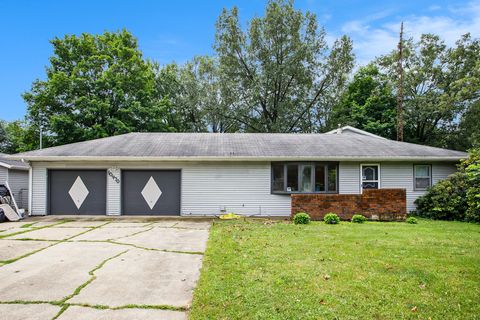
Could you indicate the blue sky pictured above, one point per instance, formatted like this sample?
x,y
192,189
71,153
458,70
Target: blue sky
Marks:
x,y
178,30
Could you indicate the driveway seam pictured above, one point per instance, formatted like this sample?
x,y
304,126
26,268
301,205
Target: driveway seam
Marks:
x,y
5,262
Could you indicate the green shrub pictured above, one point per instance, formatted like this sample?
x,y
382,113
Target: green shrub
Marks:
x,y
412,220
472,173
301,218
331,218
358,218
446,200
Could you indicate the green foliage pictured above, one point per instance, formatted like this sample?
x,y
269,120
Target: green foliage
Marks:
x,y
472,174
358,218
301,218
411,220
458,196
368,104
280,73
97,86
446,200
440,85
331,218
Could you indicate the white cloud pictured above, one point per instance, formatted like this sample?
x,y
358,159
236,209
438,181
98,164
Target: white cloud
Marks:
x,y
371,40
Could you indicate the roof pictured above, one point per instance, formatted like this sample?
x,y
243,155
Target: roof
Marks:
x,y
352,130
241,146
12,164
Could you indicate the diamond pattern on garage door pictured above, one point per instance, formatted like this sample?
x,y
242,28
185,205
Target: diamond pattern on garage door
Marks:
x,y
78,192
151,192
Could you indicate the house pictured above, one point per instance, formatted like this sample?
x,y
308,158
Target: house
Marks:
x,y
345,171
16,174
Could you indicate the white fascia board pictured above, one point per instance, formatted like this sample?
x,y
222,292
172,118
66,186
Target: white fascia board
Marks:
x,y
247,159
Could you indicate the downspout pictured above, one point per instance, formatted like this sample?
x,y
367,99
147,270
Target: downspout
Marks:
x,y
30,188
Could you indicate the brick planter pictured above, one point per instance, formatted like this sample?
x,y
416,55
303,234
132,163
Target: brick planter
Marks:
x,y
376,204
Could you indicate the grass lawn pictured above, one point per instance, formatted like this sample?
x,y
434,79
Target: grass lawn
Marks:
x,y
257,270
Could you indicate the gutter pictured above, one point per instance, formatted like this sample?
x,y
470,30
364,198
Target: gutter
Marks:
x,y
233,158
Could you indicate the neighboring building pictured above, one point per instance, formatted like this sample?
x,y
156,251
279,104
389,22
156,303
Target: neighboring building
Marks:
x,y
16,174
245,173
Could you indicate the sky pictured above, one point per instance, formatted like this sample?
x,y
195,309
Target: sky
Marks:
x,y
178,30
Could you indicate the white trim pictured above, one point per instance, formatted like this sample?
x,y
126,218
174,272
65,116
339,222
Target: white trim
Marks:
x,y
430,169
30,190
13,167
247,158
378,178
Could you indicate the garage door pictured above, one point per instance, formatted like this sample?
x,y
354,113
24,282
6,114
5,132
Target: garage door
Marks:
x,y
151,192
77,191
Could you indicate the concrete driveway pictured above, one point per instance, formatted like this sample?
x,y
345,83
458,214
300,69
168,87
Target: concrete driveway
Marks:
x,y
99,269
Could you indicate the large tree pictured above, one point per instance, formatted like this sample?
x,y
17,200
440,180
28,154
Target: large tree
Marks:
x,y
280,73
441,84
368,103
96,86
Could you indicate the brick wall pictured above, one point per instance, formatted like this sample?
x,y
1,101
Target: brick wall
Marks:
x,y
377,204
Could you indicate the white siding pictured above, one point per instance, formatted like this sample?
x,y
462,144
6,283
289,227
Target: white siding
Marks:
x,y
113,192
207,188
39,189
392,175
349,177
442,170
18,182
3,174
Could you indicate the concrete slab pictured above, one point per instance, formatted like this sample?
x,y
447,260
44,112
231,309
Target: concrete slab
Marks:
x,y
83,313
103,233
50,234
126,224
11,249
41,311
14,230
10,225
203,225
143,277
165,223
172,239
81,224
53,273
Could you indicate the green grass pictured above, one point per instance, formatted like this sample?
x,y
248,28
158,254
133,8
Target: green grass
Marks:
x,y
257,270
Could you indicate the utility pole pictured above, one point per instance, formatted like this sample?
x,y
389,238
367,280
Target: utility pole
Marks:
x,y
41,130
400,87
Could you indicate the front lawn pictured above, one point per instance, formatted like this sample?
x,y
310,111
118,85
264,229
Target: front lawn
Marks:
x,y
260,270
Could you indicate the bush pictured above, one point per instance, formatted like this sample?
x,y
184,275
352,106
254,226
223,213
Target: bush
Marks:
x,y
412,220
446,200
472,173
358,218
331,218
301,218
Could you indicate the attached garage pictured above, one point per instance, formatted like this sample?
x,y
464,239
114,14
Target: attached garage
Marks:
x,y
151,192
77,192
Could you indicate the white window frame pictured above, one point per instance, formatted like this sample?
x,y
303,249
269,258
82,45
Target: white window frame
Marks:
x,y
361,175
415,176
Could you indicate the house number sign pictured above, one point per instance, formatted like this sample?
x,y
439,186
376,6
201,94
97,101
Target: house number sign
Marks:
x,y
114,177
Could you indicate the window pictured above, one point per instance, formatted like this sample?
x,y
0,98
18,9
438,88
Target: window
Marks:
x,y
370,176
308,177
292,178
422,176
278,175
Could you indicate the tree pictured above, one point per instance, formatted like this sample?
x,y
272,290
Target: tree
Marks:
x,y
440,84
280,74
97,86
17,136
368,103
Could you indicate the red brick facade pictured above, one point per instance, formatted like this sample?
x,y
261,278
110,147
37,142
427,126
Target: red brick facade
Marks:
x,y
376,204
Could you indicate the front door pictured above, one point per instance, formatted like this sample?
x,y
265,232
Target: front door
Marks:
x,y
370,176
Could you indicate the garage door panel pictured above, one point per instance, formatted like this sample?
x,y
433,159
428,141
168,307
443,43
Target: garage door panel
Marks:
x,y
82,192
151,192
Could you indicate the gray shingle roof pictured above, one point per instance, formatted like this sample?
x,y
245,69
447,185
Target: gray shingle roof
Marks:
x,y
12,164
241,146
